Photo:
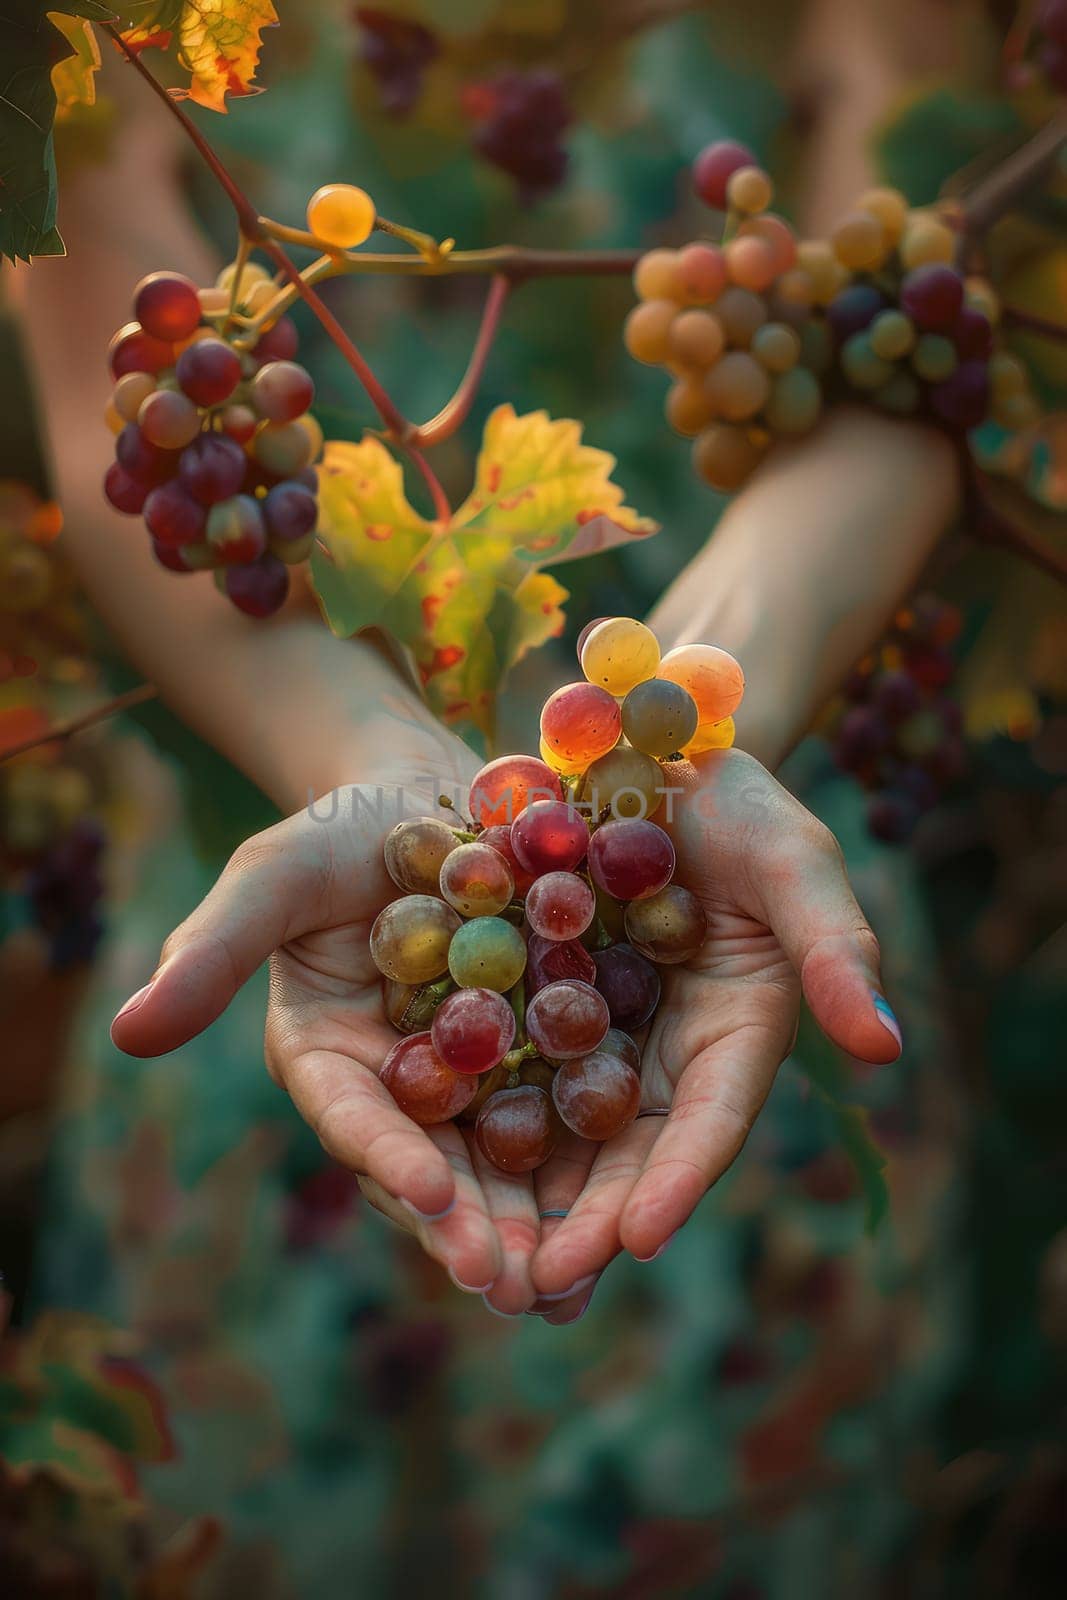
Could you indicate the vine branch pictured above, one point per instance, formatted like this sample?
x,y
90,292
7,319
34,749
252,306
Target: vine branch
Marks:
x,y
454,413
88,719
991,526
997,193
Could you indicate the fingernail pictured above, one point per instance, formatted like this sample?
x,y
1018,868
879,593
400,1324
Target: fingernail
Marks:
x,y
430,1216
564,1294
134,1001
509,1316
656,1253
887,1019
471,1288
569,1322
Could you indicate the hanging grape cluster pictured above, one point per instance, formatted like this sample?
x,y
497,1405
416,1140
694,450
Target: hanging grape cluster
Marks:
x,y
761,330
214,443
895,729
522,957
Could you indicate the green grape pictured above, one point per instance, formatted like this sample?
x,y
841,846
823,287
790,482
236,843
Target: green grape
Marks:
x,y
900,395
892,335
934,357
861,366
626,781
410,938
487,953
795,402
414,851
776,346
659,717
619,653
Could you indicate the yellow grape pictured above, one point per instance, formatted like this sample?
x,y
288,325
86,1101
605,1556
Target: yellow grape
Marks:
x,y
656,276
712,676
341,215
776,233
749,189
890,207
130,391
737,387
214,302
1007,376
711,736
724,456
859,241
751,263
696,338
114,418
796,288
891,334
699,274
619,653
314,433
817,259
251,274
926,239
261,296
688,407
551,759
776,346
740,313
646,331
982,296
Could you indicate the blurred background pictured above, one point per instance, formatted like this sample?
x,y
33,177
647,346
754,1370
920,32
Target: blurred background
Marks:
x,y
221,1368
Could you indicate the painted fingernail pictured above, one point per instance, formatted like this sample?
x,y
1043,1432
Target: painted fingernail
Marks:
x,y
887,1019
564,1294
134,1001
656,1253
509,1316
430,1216
471,1288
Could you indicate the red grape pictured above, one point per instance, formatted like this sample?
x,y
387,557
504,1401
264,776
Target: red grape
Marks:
x,y
235,529
171,557
566,1018
212,468
208,371
423,1086
962,400
473,1030
550,836
932,296
239,421
476,880
629,984
579,723
498,836
972,335
133,350
125,493
279,343
505,787
168,419
260,588
173,516
597,1095
548,960
140,458
282,391
167,305
619,1044
517,1129
560,906
630,859
715,166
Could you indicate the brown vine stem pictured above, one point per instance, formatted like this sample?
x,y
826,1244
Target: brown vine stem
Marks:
x,y
1012,178
1026,320
993,527
88,719
453,414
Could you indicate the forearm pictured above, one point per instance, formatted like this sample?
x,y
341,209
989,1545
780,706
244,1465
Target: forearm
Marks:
x,y
809,562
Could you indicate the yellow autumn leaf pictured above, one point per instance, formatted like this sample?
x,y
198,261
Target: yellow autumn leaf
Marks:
x,y
74,78
219,43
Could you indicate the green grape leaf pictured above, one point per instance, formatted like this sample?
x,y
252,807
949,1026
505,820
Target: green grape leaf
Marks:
x,y
465,598
30,46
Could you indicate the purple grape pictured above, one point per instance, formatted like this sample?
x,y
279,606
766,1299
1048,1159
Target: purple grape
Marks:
x,y
963,399
947,762
524,113
279,343
259,588
854,309
891,817
212,468
208,371
932,296
972,335
629,984
919,786
397,51
896,695
863,735
173,516
1052,20
141,459
125,493
290,511
170,556
1053,58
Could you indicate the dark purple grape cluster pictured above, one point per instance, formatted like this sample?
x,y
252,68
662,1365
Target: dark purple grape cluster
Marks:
x,y
1051,27
214,444
396,52
896,730
521,119
64,888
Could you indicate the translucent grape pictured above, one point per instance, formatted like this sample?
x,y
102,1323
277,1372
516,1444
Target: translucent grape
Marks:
x,y
751,263
892,335
597,1095
473,1030
140,458
550,836
487,953
983,298
659,717
282,391
130,391
817,259
630,860
172,516
713,677
580,722
168,419
476,880
696,338
410,938
277,343
622,1047
505,787
972,335
740,313
794,293
212,468
410,1007
891,209
859,242
208,372
625,781
619,653
699,274
586,631
776,233
932,296
340,214
925,240
560,905
963,399
251,273
133,350
239,422
125,493
414,852
548,960
656,276
517,1129
630,986
724,456
424,1087
776,346
688,408
715,166
567,1018
795,402
749,189
667,927
498,836
646,331
167,306
737,386
711,736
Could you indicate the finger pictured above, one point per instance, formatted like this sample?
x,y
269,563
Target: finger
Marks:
x,y
360,1125
512,1206
272,890
718,1098
574,1307
557,1186
587,1239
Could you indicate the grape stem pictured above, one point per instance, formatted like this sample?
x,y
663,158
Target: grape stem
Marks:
x,y
88,719
1026,319
1010,180
995,528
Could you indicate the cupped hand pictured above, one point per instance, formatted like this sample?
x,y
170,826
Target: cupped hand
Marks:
x,y
781,919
